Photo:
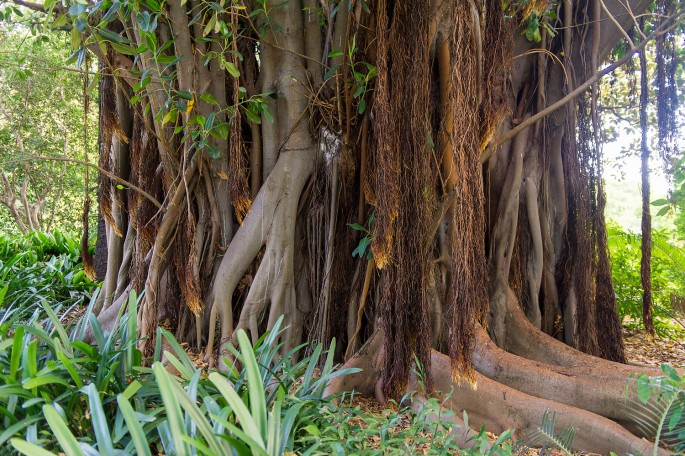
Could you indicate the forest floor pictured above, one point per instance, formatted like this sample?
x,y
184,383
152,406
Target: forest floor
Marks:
x,y
640,349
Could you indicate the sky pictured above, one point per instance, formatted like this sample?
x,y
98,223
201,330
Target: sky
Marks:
x,y
623,186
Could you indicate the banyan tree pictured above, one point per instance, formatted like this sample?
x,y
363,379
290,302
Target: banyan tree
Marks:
x,y
420,180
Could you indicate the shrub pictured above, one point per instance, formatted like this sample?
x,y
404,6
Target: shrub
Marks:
x,y
668,276
40,268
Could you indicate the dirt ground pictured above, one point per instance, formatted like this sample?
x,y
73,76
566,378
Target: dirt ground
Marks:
x,y
640,349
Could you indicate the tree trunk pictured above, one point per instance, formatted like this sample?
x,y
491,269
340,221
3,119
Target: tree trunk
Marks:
x,y
646,226
330,171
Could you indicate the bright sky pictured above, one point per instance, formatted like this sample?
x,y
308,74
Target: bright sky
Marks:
x,y
623,185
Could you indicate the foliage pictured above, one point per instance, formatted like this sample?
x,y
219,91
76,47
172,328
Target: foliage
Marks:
x,y
40,269
60,394
41,114
668,275
660,406
57,392
545,437
367,232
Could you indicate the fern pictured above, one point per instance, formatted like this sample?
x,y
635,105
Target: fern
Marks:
x,y
545,437
657,406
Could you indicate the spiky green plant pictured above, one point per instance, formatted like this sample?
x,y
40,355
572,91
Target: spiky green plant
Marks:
x,y
657,405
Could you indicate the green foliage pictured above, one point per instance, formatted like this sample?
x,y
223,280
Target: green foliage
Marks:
x,y
668,276
60,394
545,437
41,114
365,241
658,407
678,197
36,270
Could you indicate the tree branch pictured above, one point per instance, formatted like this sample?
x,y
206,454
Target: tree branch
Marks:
x,y
112,176
495,145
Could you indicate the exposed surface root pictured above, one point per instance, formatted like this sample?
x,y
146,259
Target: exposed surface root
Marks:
x,y
501,407
562,384
526,341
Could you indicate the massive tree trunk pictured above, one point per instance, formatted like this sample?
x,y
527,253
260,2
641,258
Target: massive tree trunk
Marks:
x,y
268,145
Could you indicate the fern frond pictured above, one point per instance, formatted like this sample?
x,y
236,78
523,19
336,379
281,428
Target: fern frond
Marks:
x,y
545,437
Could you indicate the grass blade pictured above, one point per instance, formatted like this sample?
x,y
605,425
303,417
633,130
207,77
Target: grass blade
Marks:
x,y
99,420
16,351
29,449
241,412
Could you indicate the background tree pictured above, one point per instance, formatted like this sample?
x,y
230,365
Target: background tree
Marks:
x,y
252,135
41,115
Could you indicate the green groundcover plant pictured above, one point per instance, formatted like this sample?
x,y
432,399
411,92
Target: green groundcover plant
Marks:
x,y
59,394
40,268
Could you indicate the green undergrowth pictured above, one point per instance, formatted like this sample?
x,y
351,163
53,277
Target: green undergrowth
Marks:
x,y
668,279
40,268
61,395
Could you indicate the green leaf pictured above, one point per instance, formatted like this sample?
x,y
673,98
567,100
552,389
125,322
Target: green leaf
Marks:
x,y
362,106
644,388
663,211
266,113
220,131
17,348
132,389
670,372
361,248
64,436
70,368
312,429
675,417
252,116
239,409
254,382
659,202
335,53
171,406
208,98
199,420
56,322
44,380
29,449
99,420
210,121
232,69
134,427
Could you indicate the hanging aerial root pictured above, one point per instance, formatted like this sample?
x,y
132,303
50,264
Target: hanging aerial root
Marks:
x,y
405,190
86,257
